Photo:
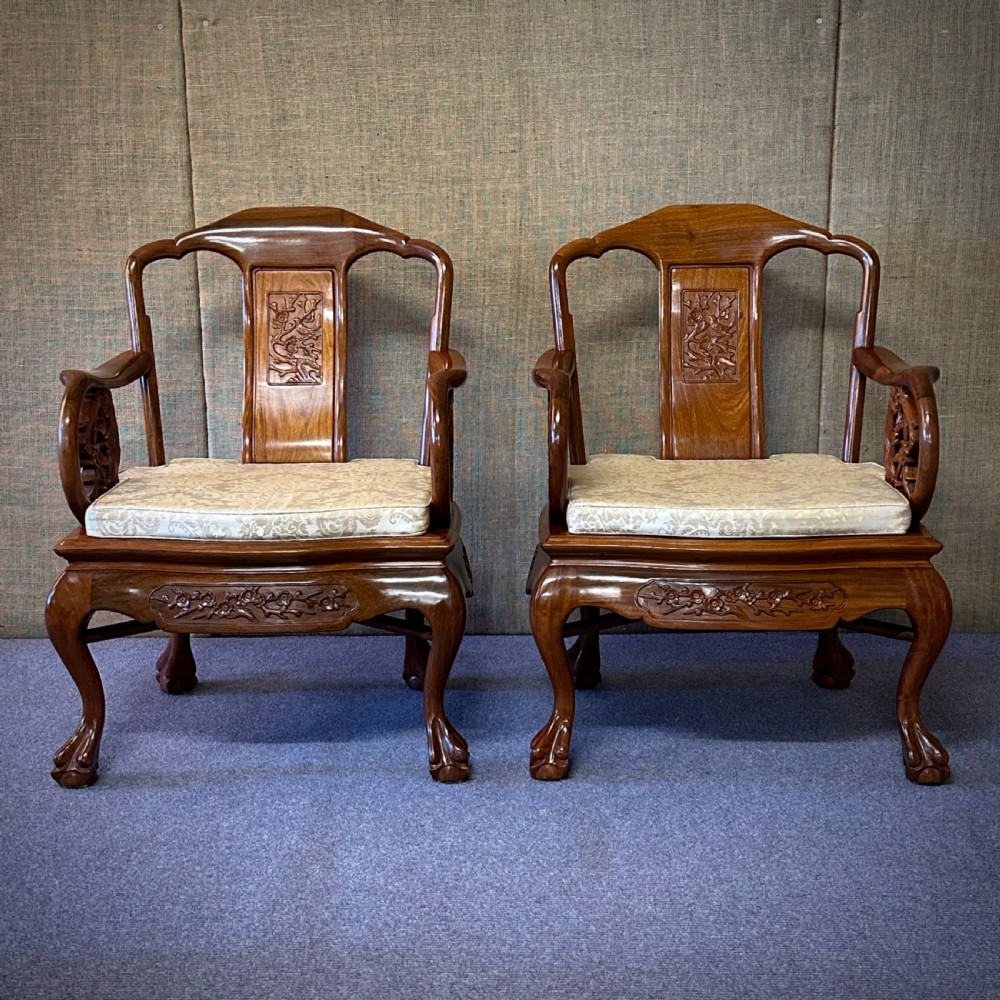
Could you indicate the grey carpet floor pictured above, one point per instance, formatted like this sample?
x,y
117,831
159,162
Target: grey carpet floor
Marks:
x,y
728,829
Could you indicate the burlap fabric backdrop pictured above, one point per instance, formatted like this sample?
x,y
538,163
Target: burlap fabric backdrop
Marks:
x,y
500,130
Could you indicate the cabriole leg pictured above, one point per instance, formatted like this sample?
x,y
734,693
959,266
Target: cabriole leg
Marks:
x,y
66,616
550,747
585,654
447,750
929,607
833,665
415,657
175,669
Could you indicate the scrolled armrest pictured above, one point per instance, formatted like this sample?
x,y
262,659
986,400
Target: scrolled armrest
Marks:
x,y
883,366
911,439
89,447
113,374
554,372
445,371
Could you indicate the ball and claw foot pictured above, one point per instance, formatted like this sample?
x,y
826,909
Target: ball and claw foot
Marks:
x,y
550,750
833,664
176,672
448,752
76,760
925,758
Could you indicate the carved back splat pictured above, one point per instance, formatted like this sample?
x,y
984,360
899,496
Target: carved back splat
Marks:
x,y
711,259
294,263
710,392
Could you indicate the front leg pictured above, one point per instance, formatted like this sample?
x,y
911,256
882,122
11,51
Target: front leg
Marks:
x,y
929,607
447,750
66,616
550,748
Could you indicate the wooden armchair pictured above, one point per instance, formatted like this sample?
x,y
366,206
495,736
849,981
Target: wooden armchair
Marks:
x,y
712,534
295,538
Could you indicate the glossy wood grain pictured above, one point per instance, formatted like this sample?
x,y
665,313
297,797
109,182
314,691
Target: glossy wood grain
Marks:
x,y
710,260
294,263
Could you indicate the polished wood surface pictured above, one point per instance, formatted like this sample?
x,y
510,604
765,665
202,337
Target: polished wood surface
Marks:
x,y
710,260
294,264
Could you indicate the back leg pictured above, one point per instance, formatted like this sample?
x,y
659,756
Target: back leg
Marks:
x,y
175,669
417,652
833,665
585,654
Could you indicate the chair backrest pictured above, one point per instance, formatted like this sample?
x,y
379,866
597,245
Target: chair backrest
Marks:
x,y
710,260
294,264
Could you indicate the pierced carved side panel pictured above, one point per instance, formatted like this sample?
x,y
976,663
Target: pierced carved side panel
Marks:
x,y
267,605
711,399
292,383
100,448
294,338
902,440
669,600
710,321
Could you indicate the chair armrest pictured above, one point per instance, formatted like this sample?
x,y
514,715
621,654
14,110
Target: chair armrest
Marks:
x,y
445,371
911,440
89,448
554,372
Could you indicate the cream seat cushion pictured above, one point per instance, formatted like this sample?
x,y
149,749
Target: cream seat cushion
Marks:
x,y
783,496
215,498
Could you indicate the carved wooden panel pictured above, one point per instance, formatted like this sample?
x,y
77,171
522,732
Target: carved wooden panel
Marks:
x,y
901,442
292,382
710,327
294,338
275,605
710,391
100,448
669,600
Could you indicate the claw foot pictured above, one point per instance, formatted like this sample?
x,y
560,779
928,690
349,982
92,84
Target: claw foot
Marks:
x,y
175,668
76,760
833,664
925,758
448,752
550,750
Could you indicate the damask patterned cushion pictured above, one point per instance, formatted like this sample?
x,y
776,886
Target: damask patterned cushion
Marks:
x,y
784,496
213,498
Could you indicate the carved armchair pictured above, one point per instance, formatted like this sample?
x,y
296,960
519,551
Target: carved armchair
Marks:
x,y
294,538
712,534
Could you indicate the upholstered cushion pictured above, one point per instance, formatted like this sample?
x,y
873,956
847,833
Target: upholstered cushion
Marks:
x,y
785,495
212,498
